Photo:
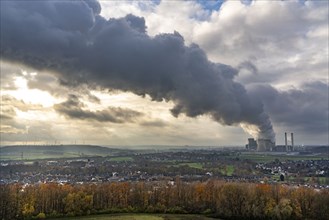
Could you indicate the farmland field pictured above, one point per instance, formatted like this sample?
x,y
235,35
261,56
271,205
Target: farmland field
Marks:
x,y
120,159
39,152
191,164
228,170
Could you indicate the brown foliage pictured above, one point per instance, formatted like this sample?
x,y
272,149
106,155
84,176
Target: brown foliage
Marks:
x,y
227,200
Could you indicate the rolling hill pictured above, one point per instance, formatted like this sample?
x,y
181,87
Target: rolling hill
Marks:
x,y
25,152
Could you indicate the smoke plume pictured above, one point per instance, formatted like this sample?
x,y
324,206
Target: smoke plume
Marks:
x,y
72,40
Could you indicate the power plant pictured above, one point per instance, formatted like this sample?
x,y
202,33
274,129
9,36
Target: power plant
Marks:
x,y
252,144
265,145
262,145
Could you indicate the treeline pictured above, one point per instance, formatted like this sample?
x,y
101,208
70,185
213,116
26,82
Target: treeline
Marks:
x,y
216,198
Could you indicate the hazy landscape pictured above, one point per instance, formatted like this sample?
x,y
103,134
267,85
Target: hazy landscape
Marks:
x,y
164,109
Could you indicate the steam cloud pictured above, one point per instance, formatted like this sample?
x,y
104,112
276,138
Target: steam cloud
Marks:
x,y
71,39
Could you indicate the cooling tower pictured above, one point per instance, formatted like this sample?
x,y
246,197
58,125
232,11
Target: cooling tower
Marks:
x,y
252,144
265,145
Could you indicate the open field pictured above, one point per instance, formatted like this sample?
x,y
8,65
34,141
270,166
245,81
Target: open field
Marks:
x,y
40,156
36,152
143,217
228,170
192,165
120,159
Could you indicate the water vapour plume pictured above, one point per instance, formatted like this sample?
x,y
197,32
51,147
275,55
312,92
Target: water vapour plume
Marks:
x,y
71,39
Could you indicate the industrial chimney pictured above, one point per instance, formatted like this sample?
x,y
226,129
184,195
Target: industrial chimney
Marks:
x,y
292,141
285,140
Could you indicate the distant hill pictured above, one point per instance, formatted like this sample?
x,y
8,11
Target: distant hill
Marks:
x,y
16,152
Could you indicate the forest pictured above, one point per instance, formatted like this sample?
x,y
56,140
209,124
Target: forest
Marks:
x,y
214,198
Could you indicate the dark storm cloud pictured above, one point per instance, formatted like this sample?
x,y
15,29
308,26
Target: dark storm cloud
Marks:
x,y
304,109
73,108
81,47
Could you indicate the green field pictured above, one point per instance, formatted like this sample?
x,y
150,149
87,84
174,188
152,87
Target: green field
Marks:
x,y
142,217
40,156
34,156
37,152
120,159
192,165
228,170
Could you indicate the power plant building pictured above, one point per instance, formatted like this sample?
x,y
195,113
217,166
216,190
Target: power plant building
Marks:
x,y
260,144
252,144
265,145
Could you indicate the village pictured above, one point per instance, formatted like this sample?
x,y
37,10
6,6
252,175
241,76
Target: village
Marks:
x,y
188,165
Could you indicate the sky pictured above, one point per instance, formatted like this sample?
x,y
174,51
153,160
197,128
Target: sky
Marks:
x,y
201,73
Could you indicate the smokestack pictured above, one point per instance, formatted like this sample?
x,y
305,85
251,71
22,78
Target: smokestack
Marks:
x,y
292,141
285,140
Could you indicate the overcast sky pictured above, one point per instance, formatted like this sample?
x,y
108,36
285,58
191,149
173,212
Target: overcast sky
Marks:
x,y
206,73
